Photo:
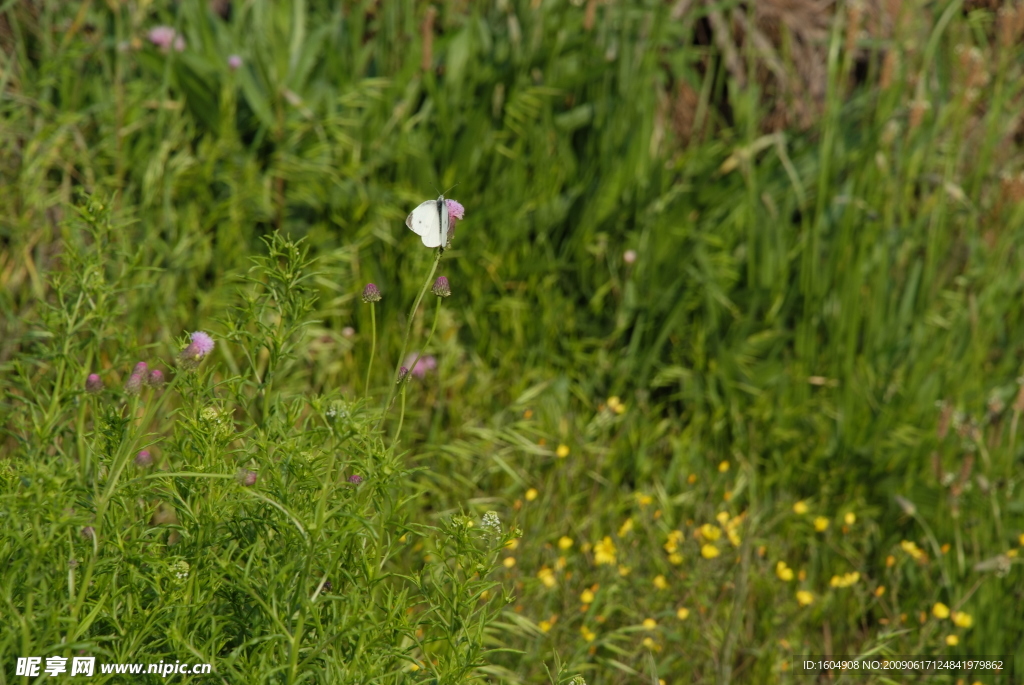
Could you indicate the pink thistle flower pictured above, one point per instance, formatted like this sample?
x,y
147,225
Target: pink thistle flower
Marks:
x,y
455,212
143,458
247,478
355,479
441,287
156,378
201,345
94,384
135,381
234,62
371,293
165,37
426,363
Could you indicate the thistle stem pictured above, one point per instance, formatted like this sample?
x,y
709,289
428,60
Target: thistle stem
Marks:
x,y
373,347
405,340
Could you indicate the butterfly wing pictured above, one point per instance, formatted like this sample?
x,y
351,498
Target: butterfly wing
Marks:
x,y
430,221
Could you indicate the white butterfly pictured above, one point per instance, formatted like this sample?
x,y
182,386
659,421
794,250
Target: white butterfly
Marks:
x,y
430,221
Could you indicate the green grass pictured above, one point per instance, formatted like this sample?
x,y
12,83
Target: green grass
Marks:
x,y
828,316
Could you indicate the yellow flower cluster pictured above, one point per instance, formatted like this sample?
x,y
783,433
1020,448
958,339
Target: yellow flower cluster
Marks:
x,y
616,405
804,598
709,551
672,546
731,524
913,550
710,533
845,580
960,618
783,571
546,576
604,552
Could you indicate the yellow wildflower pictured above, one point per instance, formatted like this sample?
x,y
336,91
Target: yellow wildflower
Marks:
x,y
692,478
734,537
674,538
710,532
509,562
940,610
709,551
800,508
545,626
643,500
945,548
952,640
783,571
650,644
723,467
513,543
587,634
675,558
587,596
604,551
845,580
1020,540
912,549
879,591
626,527
804,598
890,561
962,619
821,524
682,613
562,451
624,571
564,542
850,518
660,582
547,576
722,517
650,624
531,494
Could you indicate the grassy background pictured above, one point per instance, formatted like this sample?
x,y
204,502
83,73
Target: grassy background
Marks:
x,y
824,313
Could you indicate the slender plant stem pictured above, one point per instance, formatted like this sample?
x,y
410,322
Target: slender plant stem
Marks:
x,y
373,346
401,413
433,327
405,340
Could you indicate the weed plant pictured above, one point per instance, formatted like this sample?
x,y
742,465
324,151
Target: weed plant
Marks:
x,y
708,394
